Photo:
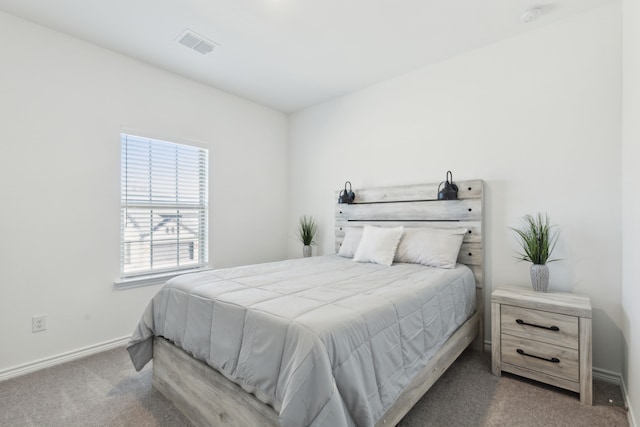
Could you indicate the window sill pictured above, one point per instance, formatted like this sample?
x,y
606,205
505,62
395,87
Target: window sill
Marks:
x,y
152,279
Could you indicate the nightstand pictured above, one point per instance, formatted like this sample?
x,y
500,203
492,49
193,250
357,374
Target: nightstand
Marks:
x,y
544,336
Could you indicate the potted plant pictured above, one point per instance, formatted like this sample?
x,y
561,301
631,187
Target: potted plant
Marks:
x,y
306,231
537,238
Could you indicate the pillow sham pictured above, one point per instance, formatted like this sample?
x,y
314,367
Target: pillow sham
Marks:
x,y
352,237
435,247
378,244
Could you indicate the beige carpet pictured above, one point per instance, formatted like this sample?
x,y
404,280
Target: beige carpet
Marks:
x,y
469,395
105,390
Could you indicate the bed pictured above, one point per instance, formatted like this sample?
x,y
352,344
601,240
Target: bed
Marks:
x,y
320,341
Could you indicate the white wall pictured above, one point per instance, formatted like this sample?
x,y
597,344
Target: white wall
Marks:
x,y
631,204
63,103
536,116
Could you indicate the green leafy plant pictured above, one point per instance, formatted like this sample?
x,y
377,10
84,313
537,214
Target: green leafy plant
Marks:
x,y
537,238
307,230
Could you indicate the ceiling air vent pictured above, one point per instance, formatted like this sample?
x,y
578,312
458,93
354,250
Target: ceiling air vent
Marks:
x,y
196,42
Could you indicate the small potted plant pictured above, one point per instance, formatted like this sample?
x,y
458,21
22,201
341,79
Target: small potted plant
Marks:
x,y
537,238
306,231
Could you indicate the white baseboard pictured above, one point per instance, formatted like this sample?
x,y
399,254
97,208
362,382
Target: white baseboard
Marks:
x,y
47,362
607,376
625,396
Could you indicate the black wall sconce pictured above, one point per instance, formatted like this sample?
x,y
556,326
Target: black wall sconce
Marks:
x,y
450,190
346,196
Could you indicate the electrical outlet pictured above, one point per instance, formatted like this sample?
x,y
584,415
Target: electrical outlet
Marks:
x,y
39,323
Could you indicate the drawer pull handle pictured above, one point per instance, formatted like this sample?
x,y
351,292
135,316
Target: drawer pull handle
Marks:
x,y
551,328
552,360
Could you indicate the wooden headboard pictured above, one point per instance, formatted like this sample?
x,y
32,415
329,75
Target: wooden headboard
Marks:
x,y
417,206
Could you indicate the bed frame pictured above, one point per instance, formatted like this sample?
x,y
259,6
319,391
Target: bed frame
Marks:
x,y
207,398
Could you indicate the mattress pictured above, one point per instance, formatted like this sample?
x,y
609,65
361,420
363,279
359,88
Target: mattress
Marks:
x,y
324,340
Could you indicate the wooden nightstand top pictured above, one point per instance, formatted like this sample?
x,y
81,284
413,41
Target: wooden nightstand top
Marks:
x,y
557,302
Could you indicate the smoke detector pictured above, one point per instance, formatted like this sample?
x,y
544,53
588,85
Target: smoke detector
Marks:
x,y
530,15
195,41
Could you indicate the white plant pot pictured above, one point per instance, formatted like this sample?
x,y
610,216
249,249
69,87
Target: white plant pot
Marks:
x,y
539,277
306,251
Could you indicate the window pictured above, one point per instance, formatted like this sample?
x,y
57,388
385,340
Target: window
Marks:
x,y
163,206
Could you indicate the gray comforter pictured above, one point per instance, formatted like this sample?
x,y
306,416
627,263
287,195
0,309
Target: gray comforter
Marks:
x,y
325,340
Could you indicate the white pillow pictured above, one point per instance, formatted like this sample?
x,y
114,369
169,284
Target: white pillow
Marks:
x,y
378,244
352,237
436,247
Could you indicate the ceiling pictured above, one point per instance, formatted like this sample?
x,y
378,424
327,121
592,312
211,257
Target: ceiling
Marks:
x,y
291,54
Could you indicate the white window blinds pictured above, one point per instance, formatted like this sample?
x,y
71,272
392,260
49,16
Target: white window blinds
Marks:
x,y
163,206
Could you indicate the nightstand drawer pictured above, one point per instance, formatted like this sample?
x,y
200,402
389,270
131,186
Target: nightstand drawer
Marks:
x,y
548,359
551,328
